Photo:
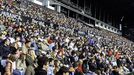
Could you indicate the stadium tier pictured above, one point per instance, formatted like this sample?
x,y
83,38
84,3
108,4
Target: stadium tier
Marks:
x,y
35,40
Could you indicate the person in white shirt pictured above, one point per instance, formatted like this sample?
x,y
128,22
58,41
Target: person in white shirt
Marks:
x,y
50,70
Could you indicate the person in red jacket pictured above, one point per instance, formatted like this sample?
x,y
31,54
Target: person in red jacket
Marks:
x,y
79,68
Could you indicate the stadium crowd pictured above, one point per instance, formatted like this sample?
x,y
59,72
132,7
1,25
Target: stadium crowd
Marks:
x,y
35,40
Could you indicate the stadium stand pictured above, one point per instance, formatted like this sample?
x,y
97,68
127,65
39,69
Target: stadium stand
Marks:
x,y
35,40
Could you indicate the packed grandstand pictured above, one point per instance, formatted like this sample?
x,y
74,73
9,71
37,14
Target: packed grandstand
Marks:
x,y
35,40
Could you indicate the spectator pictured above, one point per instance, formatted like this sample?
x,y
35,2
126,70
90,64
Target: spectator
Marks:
x,y
30,63
20,64
42,61
115,71
9,68
56,66
63,71
5,48
50,70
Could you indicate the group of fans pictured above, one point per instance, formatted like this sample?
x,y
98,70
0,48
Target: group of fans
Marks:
x,y
35,40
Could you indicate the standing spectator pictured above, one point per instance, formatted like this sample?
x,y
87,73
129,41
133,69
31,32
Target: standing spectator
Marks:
x,y
20,64
115,71
9,65
63,71
30,63
40,70
56,66
50,70
5,48
79,70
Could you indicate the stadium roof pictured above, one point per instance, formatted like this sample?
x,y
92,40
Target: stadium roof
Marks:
x,y
124,8
121,7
